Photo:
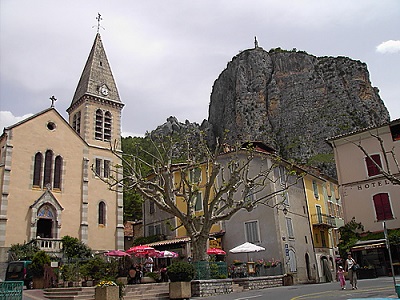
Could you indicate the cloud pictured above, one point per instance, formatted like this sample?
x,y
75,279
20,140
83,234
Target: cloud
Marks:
x,y
7,119
390,46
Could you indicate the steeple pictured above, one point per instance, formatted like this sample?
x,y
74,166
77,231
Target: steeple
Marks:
x,y
97,79
95,110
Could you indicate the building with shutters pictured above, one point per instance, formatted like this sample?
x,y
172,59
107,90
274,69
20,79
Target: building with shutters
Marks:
x,y
367,194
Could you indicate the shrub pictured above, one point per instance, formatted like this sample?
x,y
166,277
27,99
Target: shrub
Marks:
x,y
181,271
39,260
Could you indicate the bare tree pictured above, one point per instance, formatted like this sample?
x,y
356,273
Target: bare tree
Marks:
x,y
229,175
392,175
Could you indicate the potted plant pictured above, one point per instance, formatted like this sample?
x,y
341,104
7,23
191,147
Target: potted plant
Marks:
x,y
180,275
107,290
40,259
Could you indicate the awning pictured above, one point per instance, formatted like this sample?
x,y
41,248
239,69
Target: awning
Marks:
x,y
170,242
366,245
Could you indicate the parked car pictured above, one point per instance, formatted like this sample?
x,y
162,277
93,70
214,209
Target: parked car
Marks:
x,y
20,271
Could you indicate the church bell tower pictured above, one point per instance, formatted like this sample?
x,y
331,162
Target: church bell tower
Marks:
x,y
95,110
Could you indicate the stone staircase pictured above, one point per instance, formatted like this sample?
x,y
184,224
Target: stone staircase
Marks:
x,y
149,291
73,293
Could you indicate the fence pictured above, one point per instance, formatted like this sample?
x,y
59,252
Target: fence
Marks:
x,y
11,290
210,270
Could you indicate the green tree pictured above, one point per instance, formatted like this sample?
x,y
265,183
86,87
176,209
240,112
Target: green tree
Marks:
x,y
230,176
74,248
24,251
40,259
349,235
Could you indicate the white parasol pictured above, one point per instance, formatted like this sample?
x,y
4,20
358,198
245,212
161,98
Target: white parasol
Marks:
x,y
247,248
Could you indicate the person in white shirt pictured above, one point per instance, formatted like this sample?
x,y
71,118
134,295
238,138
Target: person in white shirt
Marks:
x,y
350,262
148,263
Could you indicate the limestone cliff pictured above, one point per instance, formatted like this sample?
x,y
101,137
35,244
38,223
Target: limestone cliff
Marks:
x,y
293,101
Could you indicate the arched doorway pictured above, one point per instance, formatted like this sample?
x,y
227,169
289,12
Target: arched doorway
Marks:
x,y
46,221
326,271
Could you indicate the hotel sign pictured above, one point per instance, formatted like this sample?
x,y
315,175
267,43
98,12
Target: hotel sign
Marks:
x,y
374,184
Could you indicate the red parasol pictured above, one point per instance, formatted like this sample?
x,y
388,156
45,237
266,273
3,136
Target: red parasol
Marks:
x,y
215,251
117,253
140,250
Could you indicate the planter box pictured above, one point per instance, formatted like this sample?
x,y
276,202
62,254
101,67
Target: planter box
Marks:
x,y
38,282
107,293
180,290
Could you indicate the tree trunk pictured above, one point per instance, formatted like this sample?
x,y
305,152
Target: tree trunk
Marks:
x,y
199,245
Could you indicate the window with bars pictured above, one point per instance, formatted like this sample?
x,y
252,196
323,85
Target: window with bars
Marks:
x,y
103,125
102,213
103,167
373,164
252,231
383,209
76,122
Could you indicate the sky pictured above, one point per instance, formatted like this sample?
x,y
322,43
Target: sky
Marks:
x,y
166,55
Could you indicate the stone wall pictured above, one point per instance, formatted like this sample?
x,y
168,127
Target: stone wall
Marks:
x,y
257,283
206,288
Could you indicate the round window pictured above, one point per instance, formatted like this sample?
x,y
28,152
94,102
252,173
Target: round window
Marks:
x,y
51,126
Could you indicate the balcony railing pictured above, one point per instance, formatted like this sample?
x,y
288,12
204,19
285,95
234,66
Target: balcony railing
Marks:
x,y
48,244
323,220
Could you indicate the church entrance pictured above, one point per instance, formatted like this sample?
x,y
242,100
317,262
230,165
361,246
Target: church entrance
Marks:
x,y
46,222
44,227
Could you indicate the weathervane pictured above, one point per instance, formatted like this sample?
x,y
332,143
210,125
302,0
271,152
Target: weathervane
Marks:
x,y
99,19
53,99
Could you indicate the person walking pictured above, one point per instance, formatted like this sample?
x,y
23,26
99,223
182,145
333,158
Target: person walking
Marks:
x,y
341,279
350,268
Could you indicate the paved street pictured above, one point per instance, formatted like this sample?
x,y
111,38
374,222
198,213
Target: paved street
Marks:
x,y
381,287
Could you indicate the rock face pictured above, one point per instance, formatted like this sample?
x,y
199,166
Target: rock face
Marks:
x,y
293,101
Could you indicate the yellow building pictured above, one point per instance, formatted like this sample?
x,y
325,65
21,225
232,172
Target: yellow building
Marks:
x,y
48,188
326,216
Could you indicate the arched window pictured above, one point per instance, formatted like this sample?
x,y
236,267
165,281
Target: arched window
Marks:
x,y
48,167
98,134
102,213
57,172
107,126
37,169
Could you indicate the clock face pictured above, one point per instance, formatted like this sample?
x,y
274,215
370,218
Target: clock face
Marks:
x,y
104,90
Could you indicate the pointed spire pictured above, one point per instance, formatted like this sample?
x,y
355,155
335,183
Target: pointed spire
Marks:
x,y
97,79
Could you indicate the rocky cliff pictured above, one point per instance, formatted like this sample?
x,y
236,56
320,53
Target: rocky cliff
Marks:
x,y
293,101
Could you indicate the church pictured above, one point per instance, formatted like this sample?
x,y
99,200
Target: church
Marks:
x,y
52,170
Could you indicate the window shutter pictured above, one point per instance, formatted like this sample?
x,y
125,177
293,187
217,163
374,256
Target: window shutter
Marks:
x,y
382,207
372,163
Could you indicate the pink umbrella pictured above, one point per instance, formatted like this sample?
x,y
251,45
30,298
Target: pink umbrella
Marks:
x,y
117,253
215,251
140,250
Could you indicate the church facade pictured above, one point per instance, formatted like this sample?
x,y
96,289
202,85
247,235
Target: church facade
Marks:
x,y
52,170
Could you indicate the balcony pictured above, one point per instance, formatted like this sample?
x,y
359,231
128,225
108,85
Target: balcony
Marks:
x,y
49,245
323,220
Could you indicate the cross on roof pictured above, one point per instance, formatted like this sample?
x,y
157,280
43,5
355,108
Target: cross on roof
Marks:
x,y
53,99
99,19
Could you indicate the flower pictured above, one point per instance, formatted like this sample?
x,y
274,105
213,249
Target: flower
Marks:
x,y
105,283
